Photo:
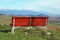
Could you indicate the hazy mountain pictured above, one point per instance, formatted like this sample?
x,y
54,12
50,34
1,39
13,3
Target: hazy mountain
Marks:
x,y
1,14
28,13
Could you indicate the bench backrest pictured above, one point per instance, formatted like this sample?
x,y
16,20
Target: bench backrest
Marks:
x,y
29,21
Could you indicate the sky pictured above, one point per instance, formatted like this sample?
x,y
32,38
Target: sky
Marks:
x,y
52,6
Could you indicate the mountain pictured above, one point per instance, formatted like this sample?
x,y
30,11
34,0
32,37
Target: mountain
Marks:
x,y
18,12
1,14
21,12
27,13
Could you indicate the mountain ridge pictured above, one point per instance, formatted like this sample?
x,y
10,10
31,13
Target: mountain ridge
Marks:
x,y
27,13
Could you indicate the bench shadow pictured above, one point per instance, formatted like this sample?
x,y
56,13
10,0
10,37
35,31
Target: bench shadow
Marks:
x,y
5,31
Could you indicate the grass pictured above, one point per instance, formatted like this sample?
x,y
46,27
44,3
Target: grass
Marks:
x,y
24,34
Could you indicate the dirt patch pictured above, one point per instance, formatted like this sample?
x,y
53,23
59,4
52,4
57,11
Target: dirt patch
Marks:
x,y
52,28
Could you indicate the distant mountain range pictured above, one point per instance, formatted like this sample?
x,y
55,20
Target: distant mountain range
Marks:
x,y
28,13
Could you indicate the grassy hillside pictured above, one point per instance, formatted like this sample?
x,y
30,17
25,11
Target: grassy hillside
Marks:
x,y
5,19
29,34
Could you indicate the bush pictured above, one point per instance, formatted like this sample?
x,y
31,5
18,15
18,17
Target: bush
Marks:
x,y
5,26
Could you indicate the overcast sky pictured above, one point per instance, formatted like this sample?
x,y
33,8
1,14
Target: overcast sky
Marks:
x,y
52,6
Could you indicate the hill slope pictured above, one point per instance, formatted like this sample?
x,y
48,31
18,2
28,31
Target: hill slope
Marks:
x,y
5,19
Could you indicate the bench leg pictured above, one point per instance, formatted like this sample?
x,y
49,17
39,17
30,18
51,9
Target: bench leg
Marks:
x,y
12,30
45,29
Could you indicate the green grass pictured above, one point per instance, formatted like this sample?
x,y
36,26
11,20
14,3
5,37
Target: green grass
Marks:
x,y
33,34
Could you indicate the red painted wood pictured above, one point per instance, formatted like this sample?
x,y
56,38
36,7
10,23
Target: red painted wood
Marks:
x,y
21,21
39,21
25,21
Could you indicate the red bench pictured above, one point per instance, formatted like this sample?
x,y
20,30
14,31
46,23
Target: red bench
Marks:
x,y
19,21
